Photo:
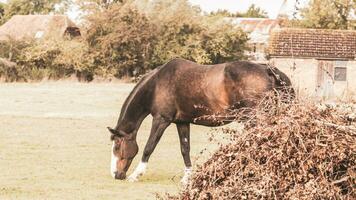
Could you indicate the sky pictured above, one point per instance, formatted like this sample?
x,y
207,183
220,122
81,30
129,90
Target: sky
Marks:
x,y
272,7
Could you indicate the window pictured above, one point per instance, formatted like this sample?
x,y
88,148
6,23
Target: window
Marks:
x,y
340,74
340,70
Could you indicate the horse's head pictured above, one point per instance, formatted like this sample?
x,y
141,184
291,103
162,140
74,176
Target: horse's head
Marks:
x,y
124,149
282,84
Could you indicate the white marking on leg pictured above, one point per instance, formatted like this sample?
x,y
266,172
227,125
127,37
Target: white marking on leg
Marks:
x,y
185,140
139,171
187,174
113,166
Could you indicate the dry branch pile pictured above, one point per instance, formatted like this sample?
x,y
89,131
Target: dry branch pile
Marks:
x,y
286,151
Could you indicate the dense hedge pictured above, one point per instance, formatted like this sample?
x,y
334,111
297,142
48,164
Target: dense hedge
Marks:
x,y
126,40
52,59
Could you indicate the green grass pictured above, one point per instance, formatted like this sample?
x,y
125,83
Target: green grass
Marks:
x,y
54,144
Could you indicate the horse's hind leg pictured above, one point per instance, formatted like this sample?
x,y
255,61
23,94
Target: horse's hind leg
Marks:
x,y
159,125
184,138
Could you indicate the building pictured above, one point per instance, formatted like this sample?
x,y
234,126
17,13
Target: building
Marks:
x,y
259,30
320,62
38,26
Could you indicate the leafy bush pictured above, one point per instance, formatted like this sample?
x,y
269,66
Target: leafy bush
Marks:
x,y
58,59
11,49
126,40
8,71
183,32
53,59
131,38
120,39
224,43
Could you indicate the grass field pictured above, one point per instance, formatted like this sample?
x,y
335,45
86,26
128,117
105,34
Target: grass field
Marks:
x,y
54,144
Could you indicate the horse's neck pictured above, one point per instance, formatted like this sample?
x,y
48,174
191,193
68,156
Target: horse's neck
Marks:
x,y
134,111
131,121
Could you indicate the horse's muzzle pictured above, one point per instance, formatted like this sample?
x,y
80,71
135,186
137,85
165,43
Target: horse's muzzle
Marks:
x,y
120,175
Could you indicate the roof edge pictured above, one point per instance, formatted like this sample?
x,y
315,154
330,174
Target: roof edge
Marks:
x,y
316,58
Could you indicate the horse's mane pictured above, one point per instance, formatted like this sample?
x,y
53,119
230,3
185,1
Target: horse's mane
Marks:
x,y
136,89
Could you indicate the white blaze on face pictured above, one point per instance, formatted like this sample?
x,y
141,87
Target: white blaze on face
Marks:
x,y
114,159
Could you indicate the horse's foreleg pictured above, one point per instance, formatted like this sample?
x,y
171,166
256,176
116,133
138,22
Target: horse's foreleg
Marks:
x,y
184,138
159,125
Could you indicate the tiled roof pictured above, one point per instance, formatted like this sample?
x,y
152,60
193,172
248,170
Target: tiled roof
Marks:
x,y
315,43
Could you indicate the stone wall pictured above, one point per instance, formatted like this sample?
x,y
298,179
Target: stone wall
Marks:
x,y
304,72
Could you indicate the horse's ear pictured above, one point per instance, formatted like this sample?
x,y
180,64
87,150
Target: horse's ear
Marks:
x,y
115,132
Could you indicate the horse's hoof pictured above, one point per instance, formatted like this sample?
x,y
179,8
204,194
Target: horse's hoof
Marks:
x,y
184,183
187,175
132,179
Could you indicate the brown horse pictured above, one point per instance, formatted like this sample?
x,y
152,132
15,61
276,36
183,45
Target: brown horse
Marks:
x,y
181,92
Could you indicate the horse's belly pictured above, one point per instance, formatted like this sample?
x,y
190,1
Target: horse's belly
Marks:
x,y
211,121
203,115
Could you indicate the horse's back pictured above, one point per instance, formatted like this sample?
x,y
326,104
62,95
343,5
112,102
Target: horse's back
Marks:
x,y
185,90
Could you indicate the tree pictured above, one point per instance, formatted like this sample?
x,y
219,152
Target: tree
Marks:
x,y
254,11
2,10
328,14
178,30
224,13
120,38
224,43
182,31
25,7
132,37
92,5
